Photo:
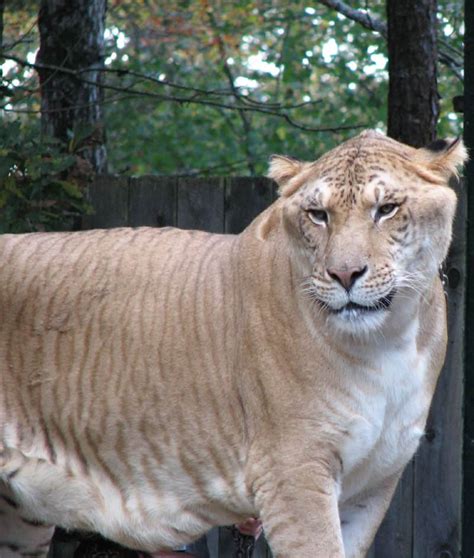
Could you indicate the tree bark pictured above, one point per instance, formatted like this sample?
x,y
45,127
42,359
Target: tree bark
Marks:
x,y
2,10
413,106
72,38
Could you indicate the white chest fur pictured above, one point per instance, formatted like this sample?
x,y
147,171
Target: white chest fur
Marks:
x,y
385,431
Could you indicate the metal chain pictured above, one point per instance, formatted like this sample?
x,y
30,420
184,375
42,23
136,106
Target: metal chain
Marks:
x,y
244,545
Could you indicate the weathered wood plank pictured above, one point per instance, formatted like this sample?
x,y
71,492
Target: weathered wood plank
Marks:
x,y
201,204
262,550
371,553
153,201
63,545
61,549
212,538
245,198
226,544
438,466
108,196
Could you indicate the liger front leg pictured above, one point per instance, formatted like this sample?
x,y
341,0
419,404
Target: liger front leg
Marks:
x,y
298,507
362,516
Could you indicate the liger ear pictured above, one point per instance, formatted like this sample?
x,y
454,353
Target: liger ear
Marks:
x,y
282,169
443,157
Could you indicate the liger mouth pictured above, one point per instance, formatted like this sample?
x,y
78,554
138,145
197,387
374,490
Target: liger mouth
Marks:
x,y
383,303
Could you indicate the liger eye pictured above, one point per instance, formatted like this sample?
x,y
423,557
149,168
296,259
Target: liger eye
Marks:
x,y
318,216
386,210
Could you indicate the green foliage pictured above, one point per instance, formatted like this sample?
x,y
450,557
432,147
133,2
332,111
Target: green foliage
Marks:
x,y
37,192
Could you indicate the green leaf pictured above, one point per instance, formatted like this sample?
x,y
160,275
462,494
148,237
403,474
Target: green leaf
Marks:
x,y
60,165
81,132
11,186
281,133
70,188
3,198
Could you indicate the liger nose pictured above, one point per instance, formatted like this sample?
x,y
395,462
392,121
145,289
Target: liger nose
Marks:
x,y
347,277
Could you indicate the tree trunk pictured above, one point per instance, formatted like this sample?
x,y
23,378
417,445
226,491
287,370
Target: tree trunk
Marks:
x,y
71,57
2,60
2,9
413,106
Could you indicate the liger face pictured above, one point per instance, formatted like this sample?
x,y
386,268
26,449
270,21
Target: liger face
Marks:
x,y
372,229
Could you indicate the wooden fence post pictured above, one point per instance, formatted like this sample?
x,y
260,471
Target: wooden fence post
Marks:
x,y
153,202
438,462
108,196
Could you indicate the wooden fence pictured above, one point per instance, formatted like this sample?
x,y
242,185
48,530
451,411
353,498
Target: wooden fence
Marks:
x,y
424,520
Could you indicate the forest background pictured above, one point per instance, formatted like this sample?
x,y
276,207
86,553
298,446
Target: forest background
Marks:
x,y
214,88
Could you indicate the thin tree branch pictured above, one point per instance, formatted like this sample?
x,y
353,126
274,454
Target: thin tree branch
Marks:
x,y
207,170
456,51
244,117
210,92
284,40
370,23
121,72
375,24
185,100
22,39
8,108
